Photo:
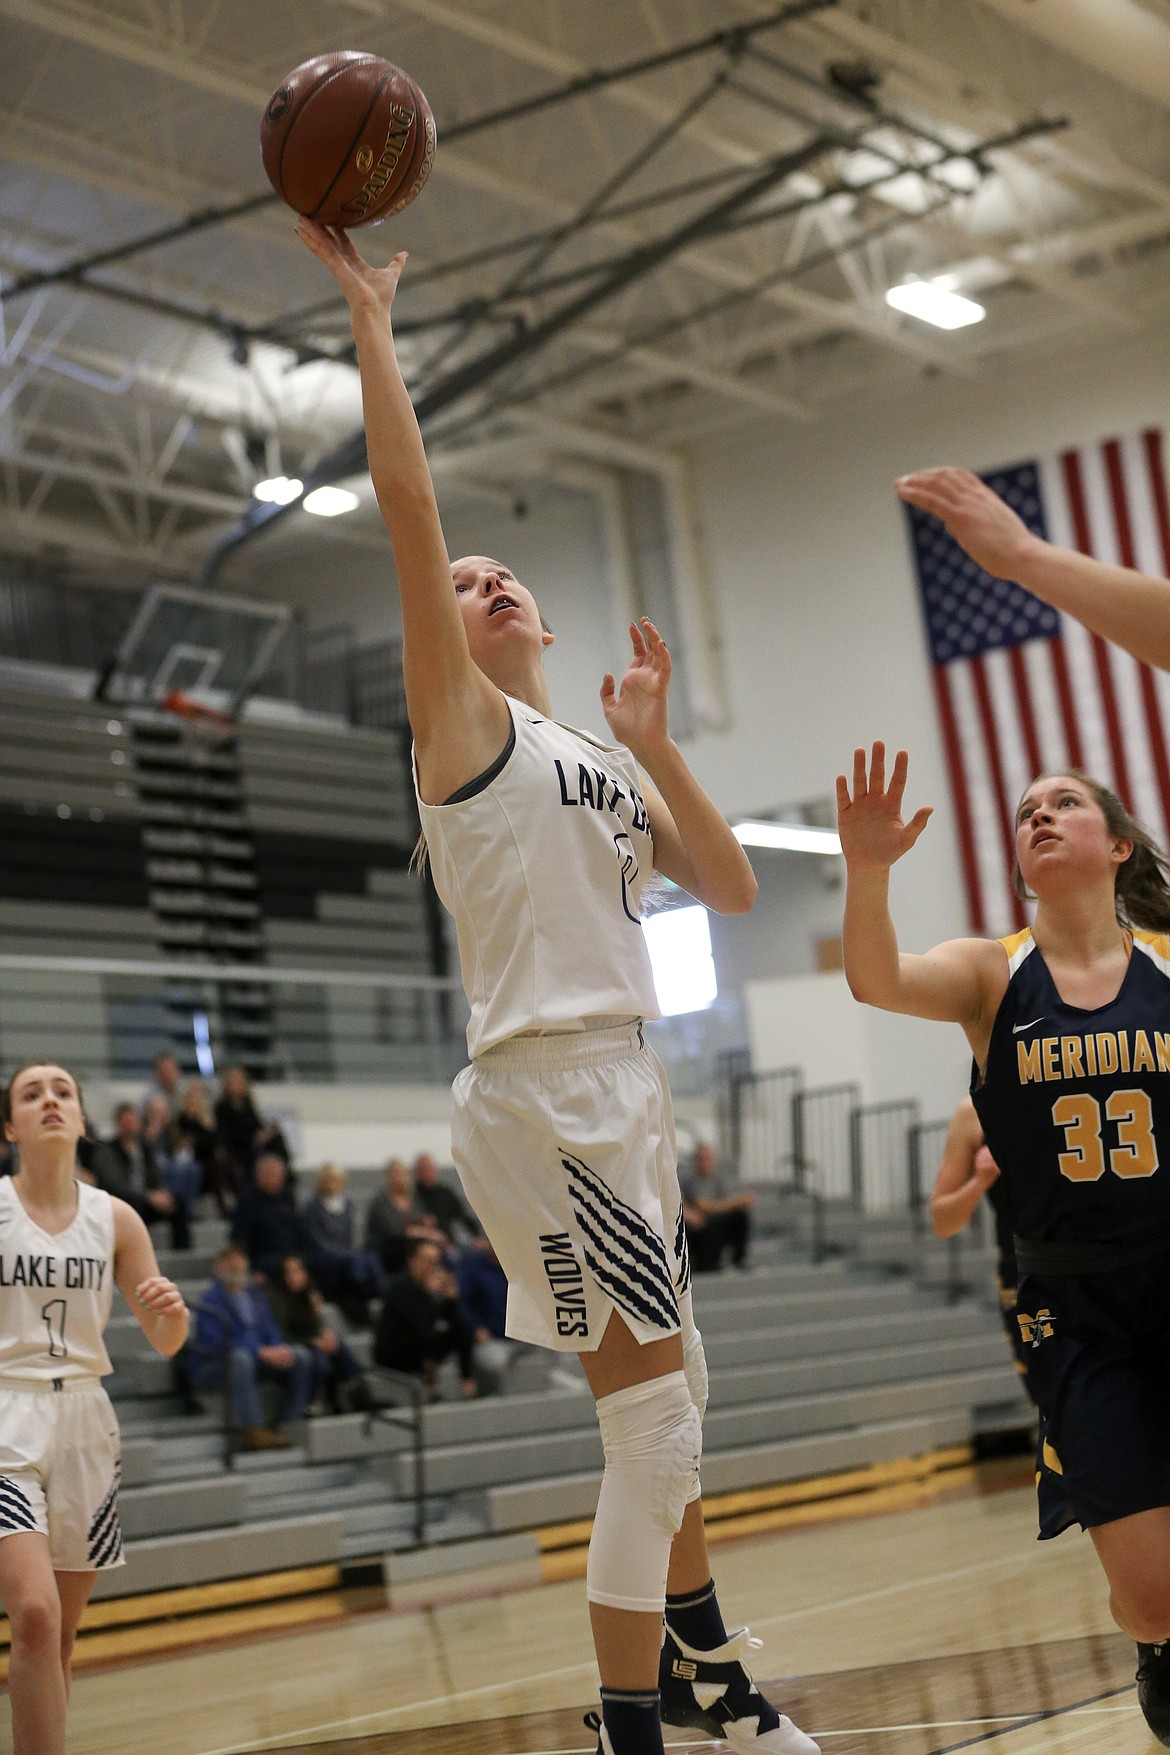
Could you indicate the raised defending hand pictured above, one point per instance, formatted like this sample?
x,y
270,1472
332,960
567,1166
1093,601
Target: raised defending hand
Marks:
x,y
977,518
870,821
638,716
365,287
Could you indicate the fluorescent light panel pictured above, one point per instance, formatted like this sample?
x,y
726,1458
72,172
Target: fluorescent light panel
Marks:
x,y
330,502
933,302
788,837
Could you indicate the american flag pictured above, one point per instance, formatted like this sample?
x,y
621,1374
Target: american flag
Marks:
x,y
1021,689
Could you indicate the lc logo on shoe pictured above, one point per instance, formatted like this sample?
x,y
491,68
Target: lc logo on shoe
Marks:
x,y
684,1669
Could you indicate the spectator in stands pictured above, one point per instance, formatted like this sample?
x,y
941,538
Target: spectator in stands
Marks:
x,y
443,1203
181,1170
237,1121
267,1225
420,1325
349,1276
395,1219
125,1166
167,1078
192,1134
483,1305
716,1219
237,1333
300,1312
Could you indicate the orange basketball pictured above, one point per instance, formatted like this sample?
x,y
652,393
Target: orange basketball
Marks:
x,y
347,139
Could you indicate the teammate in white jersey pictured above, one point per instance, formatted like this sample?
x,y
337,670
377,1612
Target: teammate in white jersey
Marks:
x,y
62,1246
541,839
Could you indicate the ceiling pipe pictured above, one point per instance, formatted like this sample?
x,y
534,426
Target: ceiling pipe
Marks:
x,y
1117,37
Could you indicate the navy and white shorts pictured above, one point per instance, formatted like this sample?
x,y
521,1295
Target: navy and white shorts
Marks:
x,y
60,1467
1098,1352
566,1150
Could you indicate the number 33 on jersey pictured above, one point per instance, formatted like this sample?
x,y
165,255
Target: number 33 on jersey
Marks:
x,y
1075,1103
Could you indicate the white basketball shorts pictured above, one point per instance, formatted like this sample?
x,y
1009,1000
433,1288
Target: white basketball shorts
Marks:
x,y
565,1147
60,1465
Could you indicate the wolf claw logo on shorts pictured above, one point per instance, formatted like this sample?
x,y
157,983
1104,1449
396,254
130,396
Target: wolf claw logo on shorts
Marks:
x,y
566,1278
1034,1329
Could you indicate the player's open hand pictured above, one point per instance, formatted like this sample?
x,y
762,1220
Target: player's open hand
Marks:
x,y
980,522
638,715
160,1296
869,820
365,287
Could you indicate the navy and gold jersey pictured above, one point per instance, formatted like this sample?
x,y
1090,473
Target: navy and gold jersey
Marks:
x,y
1075,1103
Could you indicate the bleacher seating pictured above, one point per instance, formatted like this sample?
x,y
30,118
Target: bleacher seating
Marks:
x,y
815,1368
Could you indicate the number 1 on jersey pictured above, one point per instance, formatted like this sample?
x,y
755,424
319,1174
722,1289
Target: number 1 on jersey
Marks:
x,y
54,1315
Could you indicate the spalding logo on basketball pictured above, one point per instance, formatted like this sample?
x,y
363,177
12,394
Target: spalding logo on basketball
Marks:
x,y
348,139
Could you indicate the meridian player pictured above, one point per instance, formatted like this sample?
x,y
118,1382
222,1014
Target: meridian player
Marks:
x,y
1069,1025
62,1246
540,841
1130,608
967,1173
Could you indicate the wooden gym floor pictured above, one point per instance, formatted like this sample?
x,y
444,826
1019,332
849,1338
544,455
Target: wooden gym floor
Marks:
x,y
935,1627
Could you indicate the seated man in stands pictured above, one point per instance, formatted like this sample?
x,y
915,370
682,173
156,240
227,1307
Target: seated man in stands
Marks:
x,y
125,1166
442,1203
396,1217
347,1275
716,1219
267,1225
420,1324
237,1336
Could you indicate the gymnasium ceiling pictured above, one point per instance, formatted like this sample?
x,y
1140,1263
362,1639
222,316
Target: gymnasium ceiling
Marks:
x,y
140,398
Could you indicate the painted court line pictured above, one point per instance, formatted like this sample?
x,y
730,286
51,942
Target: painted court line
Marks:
x,y
387,1715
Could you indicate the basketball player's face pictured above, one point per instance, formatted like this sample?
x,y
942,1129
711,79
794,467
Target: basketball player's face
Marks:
x,y
497,610
45,1105
1060,828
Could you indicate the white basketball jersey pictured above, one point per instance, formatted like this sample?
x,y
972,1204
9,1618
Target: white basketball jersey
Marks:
x,y
55,1292
542,862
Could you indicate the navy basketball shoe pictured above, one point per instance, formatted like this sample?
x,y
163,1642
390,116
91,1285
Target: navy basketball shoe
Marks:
x,y
713,1691
1153,1688
593,1723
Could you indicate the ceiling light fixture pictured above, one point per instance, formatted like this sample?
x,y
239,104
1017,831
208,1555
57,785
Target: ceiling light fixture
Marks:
x,y
279,490
935,302
330,502
788,837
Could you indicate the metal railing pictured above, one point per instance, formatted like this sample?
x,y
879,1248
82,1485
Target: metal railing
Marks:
x,y
403,1407
759,1137
108,1017
821,1135
879,1154
925,1142
844,1156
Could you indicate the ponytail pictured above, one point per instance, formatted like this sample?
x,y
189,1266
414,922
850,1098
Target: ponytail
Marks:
x,y
1142,885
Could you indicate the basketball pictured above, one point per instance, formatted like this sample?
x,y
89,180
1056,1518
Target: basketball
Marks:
x,y
347,139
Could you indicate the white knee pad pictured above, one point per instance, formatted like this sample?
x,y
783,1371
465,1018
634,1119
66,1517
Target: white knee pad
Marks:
x,y
694,1358
653,1438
